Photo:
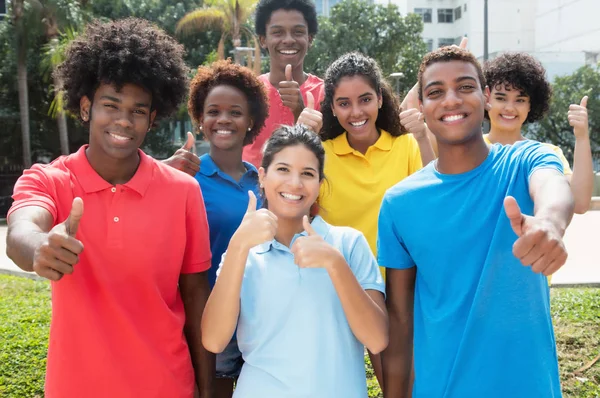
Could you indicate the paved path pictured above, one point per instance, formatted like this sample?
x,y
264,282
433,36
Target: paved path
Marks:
x,y
582,240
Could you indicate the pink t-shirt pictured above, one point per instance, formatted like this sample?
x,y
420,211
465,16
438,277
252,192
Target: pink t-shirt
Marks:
x,y
117,320
280,114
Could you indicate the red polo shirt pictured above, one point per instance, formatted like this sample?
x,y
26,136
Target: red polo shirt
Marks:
x,y
117,321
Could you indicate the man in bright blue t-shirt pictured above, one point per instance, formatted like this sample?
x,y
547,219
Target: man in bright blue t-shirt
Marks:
x,y
468,242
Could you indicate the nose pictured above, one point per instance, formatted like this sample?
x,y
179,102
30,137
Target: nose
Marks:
x,y
288,38
223,118
451,99
125,120
356,111
295,180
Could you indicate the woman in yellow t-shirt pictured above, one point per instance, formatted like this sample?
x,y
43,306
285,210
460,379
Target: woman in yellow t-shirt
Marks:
x,y
519,94
366,149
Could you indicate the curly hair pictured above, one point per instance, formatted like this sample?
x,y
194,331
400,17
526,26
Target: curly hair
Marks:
x,y
225,73
357,64
447,54
524,73
127,51
265,8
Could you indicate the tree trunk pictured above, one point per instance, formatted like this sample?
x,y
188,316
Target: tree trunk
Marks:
x,y
23,98
61,121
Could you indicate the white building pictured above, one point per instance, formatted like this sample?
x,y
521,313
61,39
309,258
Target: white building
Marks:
x,y
562,34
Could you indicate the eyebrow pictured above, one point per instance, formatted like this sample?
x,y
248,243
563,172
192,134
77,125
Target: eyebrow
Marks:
x,y
115,99
367,94
283,27
504,94
305,168
233,106
457,80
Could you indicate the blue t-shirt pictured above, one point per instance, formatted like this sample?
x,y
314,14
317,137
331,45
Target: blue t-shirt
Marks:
x,y
226,201
482,325
292,330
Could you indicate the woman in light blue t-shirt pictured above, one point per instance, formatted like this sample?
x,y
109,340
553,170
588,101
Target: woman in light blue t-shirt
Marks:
x,y
306,297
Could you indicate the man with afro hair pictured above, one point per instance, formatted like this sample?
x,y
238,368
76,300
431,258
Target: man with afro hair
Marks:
x,y
127,275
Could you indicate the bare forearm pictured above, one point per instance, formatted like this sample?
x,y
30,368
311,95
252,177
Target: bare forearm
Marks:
x,y
366,318
398,357
426,149
582,180
22,240
202,359
223,306
552,199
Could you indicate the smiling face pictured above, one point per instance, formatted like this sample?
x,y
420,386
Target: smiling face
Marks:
x,y
453,101
119,120
287,39
508,108
291,182
226,117
356,106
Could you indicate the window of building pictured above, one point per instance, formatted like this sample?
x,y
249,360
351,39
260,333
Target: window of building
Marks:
x,y
465,8
425,13
446,41
457,13
429,44
445,15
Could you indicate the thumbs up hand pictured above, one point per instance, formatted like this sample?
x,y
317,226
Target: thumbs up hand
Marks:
x,y
414,122
257,226
57,255
539,242
289,91
185,159
311,251
578,119
310,117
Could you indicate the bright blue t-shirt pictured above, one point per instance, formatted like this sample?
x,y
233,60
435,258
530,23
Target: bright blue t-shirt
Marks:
x,y
226,202
292,330
482,325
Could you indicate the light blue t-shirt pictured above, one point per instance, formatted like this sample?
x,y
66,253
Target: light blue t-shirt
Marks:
x,y
482,325
292,330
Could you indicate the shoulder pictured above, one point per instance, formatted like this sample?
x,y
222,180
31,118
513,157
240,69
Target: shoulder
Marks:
x,y
412,184
314,80
171,177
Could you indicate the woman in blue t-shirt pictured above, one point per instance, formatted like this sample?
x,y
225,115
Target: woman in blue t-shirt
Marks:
x,y
306,297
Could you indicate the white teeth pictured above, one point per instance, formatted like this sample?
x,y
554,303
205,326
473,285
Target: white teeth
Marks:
x,y
224,132
289,52
119,137
358,124
290,196
508,117
453,118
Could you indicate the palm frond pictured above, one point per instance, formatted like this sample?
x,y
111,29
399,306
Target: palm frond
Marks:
x,y
201,20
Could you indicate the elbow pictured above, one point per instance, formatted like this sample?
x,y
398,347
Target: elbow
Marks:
x,y
379,344
582,207
213,345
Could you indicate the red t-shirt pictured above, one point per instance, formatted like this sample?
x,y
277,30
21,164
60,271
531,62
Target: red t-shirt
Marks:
x,y
280,114
117,320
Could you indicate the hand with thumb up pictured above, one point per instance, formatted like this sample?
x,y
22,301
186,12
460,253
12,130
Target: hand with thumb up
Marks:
x,y
57,255
539,243
311,251
289,91
257,226
310,117
185,159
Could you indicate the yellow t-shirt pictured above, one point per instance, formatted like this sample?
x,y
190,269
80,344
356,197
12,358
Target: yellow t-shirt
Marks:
x,y
555,149
352,194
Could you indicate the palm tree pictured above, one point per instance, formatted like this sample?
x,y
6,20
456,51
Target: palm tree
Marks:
x,y
229,17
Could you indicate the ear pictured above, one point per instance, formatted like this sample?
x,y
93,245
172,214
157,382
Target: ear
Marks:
x,y
487,94
84,108
261,176
251,124
379,99
420,106
262,40
152,117
310,40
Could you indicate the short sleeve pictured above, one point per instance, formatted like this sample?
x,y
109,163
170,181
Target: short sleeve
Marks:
x,y
566,167
197,248
538,156
363,265
391,251
414,156
35,188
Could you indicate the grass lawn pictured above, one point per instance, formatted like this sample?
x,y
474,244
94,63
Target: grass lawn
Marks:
x,y
25,318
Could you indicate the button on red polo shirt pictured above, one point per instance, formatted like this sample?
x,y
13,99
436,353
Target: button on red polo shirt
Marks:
x,y
117,321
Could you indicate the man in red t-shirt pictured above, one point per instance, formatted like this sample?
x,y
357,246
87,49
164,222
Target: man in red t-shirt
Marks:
x,y
128,273
286,29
